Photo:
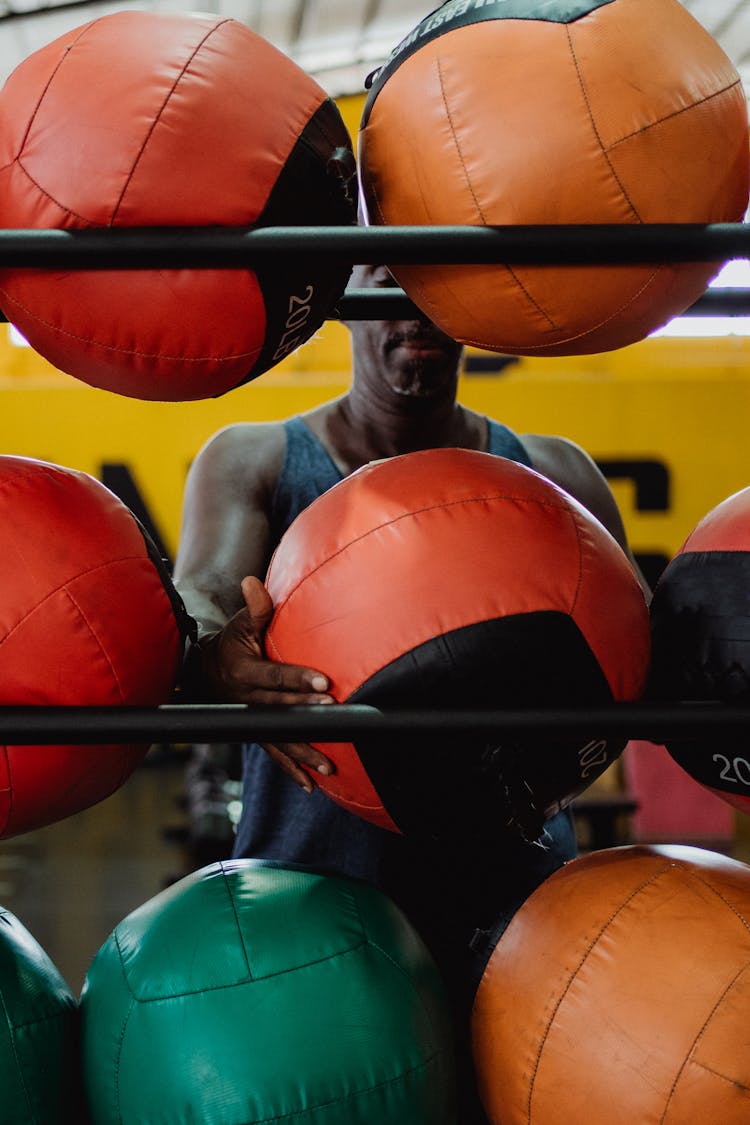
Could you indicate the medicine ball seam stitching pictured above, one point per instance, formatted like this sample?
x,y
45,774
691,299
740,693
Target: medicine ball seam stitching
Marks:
x,y
591,946
700,1033
43,191
504,265
528,349
434,1057
715,891
722,1077
327,135
543,502
579,541
10,791
233,905
102,649
64,588
17,159
120,1045
399,968
19,1065
671,116
403,973
81,33
354,901
477,204
205,989
92,341
157,117
59,1015
589,110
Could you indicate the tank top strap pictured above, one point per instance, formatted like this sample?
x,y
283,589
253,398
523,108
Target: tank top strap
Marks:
x,y
307,472
504,443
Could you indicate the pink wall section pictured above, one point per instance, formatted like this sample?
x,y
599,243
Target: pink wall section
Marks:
x,y
672,807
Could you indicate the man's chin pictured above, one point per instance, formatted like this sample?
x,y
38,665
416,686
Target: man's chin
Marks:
x,y
421,368
420,385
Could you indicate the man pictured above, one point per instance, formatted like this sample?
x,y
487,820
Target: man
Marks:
x,y
244,489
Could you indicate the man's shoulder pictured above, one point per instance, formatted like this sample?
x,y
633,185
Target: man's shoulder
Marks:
x,y
246,453
548,451
236,438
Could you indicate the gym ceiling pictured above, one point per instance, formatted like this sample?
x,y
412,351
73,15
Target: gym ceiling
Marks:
x,y
337,41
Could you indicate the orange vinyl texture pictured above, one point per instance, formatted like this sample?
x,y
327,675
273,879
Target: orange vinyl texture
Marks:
x,y
193,131
414,547
619,994
630,114
85,620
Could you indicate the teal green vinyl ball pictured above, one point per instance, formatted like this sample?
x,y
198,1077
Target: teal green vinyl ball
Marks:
x,y
250,992
38,1029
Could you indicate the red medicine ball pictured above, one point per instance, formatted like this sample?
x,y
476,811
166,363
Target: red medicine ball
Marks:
x,y
700,622
153,119
88,617
455,579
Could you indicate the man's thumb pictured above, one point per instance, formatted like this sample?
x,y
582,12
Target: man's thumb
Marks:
x,y
258,601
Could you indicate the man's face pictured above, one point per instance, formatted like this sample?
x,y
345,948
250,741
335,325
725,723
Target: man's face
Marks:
x,y
413,357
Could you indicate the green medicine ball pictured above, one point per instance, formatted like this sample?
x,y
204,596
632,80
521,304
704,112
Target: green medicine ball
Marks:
x,y
38,1027
249,992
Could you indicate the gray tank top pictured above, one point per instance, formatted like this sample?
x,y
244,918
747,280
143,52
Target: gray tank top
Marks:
x,y
308,471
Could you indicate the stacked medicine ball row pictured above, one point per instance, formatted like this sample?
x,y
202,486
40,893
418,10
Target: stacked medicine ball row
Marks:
x,y
490,112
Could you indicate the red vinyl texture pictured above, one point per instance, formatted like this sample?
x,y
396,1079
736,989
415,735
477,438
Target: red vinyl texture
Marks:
x,y
416,546
85,620
144,119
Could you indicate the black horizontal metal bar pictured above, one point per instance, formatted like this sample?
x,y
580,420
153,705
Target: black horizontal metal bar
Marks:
x,y
393,304
233,247
721,302
375,304
344,722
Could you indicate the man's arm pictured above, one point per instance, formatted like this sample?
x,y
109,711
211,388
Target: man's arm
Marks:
x,y
225,528
222,555
569,466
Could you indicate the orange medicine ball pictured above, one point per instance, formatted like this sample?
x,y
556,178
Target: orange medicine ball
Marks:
x,y
513,112
618,995
153,119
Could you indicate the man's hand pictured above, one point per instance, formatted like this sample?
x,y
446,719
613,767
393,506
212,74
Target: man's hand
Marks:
x,y
239,672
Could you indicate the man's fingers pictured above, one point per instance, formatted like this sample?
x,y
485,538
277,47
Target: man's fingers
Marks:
x,y
283,683
297,754
290,767
261,697
289,756
304,753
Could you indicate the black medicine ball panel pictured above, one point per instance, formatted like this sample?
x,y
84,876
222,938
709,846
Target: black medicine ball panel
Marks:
x,y
300,291
700,622
514,661
700,618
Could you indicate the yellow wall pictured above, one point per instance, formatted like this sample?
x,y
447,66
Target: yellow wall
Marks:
x,y
684,404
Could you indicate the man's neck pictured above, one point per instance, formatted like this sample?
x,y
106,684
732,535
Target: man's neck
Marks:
x,y
355,432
